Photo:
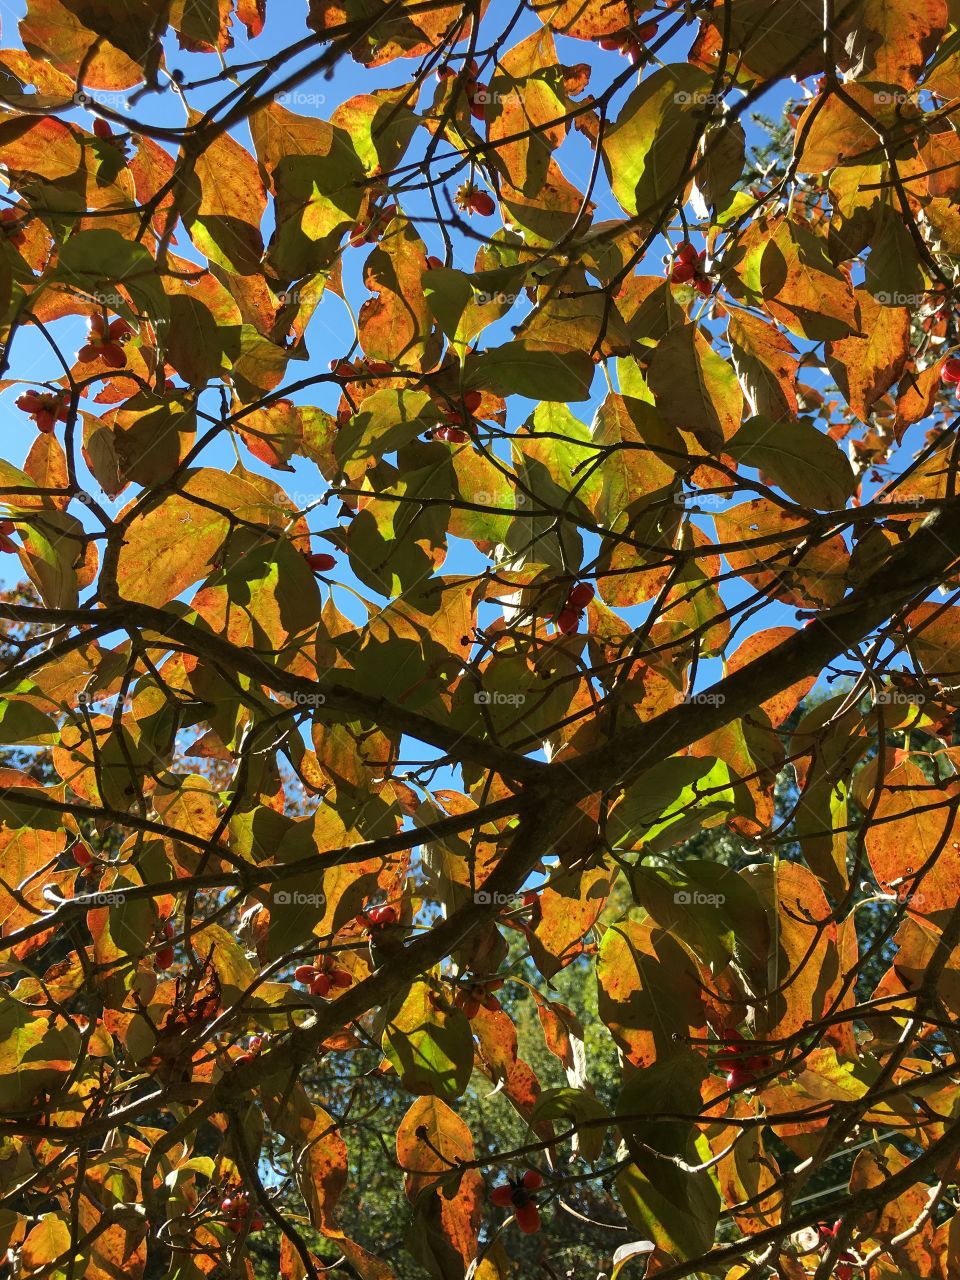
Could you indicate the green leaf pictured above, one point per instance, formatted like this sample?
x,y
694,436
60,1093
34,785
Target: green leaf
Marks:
x,y
578,1106
672,801
804,462
674,1207
429,1046
547,373
650,148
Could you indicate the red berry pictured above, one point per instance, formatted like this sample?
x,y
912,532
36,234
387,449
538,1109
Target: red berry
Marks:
x,y
319,985
478,99
340,978
434,264
528,1218
482,202
256,1222
647,31
567,621
951,370
687,253
168,929
304,973
102,128
532,1180
381,916
472,401
320,561
703,285
82,855
451,435
581,595
226,1204
502,1196
164,958
611,43
243,1058
739,1078
682,273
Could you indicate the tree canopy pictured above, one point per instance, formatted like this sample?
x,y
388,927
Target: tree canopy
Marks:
x,y
478,725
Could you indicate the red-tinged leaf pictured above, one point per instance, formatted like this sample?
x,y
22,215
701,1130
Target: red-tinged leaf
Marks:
x,y
648,994
431,1142
570,904
865,368
913,843
396,325
804,972
781,707
766,366
176,543
802,288
812,578
585,19
68,34
891,40
315,174
695,388
224,205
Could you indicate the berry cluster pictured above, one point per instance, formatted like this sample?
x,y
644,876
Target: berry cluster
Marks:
x,y
578,597
164,957
630,42
745,1068
374,918
472,200
518,1196
688,268
846,1261
369,232
320,976
105,342
457,429
44,408
254,1045
477,93
240,1215
473,996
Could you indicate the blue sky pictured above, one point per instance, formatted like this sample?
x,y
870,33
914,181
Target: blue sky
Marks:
x,y
328,335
